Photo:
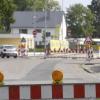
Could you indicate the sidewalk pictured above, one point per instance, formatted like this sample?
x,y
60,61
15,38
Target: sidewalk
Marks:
x,y
62,55
74,72
36,53
17,69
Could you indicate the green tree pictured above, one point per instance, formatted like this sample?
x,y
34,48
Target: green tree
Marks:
x,y
38,5
53,5
95,8
43,36
20,4
6,11
80,20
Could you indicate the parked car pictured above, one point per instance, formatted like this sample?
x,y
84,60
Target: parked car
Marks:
x,y
8,51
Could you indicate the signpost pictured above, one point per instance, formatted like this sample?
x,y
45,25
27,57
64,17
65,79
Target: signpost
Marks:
x,y
89,49
34,33
88,41
34,36
22,49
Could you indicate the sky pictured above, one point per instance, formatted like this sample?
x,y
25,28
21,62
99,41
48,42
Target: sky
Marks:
x,y
68,3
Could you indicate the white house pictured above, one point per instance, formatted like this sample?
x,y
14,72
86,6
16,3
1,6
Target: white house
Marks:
x,y
53,22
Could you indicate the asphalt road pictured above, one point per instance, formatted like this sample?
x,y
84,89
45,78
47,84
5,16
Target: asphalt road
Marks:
x,y
39,69
42,71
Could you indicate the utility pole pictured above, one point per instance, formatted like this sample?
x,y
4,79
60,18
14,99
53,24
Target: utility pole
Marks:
x,y
34,27
62,20
45,23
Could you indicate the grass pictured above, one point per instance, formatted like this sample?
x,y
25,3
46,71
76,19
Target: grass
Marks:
x,y
37,50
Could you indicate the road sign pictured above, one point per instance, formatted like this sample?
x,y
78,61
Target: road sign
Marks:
x,y
34,33
23,40
88,40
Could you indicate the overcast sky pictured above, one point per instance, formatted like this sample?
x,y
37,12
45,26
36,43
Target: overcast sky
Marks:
x,y
68,3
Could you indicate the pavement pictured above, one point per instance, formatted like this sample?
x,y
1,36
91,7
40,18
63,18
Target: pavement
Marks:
x,y
36,53
63,55
18,68
34,69
74,71
92,67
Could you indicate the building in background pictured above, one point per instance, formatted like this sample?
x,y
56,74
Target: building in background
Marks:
x,y
53,22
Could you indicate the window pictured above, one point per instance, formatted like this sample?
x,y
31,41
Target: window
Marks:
x,y
48,34
23,31
40,43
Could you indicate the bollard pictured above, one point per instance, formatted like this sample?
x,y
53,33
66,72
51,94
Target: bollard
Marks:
x,y
57,77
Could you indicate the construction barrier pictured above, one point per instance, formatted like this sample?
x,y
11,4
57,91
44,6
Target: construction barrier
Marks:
x,y
56,44
49,91
69,51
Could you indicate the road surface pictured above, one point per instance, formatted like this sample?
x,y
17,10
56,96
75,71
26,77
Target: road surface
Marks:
x,y
39,69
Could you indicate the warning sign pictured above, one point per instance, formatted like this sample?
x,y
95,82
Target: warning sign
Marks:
x,y
23,40
88,40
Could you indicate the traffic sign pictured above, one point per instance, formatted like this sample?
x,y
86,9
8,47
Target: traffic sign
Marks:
x,y
88,40
34,33
23,40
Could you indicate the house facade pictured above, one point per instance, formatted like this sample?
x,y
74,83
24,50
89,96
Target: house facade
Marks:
x,y
51,22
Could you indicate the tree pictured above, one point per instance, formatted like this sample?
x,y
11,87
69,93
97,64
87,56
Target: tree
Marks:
x,y
6,11
80,20
95,8
53,5
20,4
38,5
43,37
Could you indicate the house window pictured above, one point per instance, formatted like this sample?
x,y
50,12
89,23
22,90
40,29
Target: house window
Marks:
x,y
40,43
23,31
48,34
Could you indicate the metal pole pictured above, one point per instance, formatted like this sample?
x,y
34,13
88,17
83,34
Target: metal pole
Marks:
x,y
45,23
62,20
34,31
34,19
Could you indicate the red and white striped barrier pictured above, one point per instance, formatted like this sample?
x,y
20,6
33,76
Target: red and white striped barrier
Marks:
x,y
65,91
69,51
77,51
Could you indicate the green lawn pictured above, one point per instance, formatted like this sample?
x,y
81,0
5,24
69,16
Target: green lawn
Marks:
x,y
37,50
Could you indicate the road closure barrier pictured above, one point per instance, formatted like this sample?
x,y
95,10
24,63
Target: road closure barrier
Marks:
x,y
50,91
68,50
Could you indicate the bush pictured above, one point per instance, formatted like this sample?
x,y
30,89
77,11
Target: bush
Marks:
x,y
36,50
31,50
